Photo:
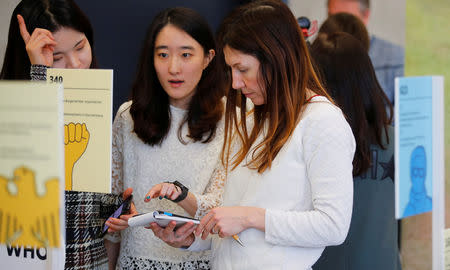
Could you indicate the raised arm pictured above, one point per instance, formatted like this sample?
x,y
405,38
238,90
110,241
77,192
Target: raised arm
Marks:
x,y
39,45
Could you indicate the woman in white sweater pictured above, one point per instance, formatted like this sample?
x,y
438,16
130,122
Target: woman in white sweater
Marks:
x,y
288,192
171,130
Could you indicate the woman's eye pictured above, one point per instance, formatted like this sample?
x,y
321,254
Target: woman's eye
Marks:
x,y
80,48
186,55
242,70
163,55
57,59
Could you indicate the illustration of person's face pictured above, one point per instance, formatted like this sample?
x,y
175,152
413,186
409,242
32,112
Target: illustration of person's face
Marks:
x,y
418,169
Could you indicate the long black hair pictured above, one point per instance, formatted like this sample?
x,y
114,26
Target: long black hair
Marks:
x,y
348,74
47,14
150,108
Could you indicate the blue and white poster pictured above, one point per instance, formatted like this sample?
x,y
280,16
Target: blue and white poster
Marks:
x,y
414,145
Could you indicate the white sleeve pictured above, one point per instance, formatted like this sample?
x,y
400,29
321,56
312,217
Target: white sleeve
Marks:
x,y
213,195
328,148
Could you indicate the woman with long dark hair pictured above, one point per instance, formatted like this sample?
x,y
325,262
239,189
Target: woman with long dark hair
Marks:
x,y
288,191
171,130
349,75
56,33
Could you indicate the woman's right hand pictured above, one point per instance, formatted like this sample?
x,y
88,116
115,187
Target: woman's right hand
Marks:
x,y
163,190
39,45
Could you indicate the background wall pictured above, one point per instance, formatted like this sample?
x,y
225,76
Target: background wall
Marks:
x,y
119,30
6,9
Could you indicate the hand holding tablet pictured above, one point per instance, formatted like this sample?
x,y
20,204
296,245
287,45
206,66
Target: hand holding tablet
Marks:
x,y
161,218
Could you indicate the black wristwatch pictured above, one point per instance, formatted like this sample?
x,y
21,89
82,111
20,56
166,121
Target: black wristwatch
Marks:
x,y
184,192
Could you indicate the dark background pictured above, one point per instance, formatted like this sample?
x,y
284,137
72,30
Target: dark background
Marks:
x,y
120,28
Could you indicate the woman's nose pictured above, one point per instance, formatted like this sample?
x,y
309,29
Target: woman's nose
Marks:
x,y
237,82
73,62
174,65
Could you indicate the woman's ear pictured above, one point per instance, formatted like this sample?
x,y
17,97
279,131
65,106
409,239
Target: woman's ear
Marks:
x,y
209,57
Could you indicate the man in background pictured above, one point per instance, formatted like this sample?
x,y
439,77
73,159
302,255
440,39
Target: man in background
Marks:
x,y
387,58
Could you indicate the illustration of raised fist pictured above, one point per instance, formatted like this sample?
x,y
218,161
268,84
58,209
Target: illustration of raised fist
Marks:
x,y
76,138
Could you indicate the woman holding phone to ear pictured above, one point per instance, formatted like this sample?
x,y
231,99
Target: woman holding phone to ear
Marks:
x,y
171,130
56,33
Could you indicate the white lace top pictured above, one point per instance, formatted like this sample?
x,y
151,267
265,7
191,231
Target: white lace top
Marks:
x,y
140,166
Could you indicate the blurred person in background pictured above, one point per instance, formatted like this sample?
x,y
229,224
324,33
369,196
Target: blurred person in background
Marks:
x,y
387,58
347,72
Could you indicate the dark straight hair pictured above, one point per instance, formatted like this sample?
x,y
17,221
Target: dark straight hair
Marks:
x,y
150,108
348,74
48,14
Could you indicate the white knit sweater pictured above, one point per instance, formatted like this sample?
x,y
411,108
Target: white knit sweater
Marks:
x,y
307,194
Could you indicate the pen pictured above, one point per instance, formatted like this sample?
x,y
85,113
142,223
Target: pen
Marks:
x,y
236,237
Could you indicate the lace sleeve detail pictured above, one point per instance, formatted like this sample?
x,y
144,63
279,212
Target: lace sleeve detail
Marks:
x,y
213,195
38,72
117,167
117,155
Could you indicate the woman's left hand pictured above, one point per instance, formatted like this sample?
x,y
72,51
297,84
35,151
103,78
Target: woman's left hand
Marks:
x,y
228,221
121,223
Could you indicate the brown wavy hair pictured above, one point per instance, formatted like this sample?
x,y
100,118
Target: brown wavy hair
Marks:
x,y
150,108
268,31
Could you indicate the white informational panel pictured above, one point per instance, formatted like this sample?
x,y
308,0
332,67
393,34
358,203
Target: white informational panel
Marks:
x,y
31,176
419,153
87,127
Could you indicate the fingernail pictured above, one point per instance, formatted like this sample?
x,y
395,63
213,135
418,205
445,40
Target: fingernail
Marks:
x,y
160,197
148,197
165,197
